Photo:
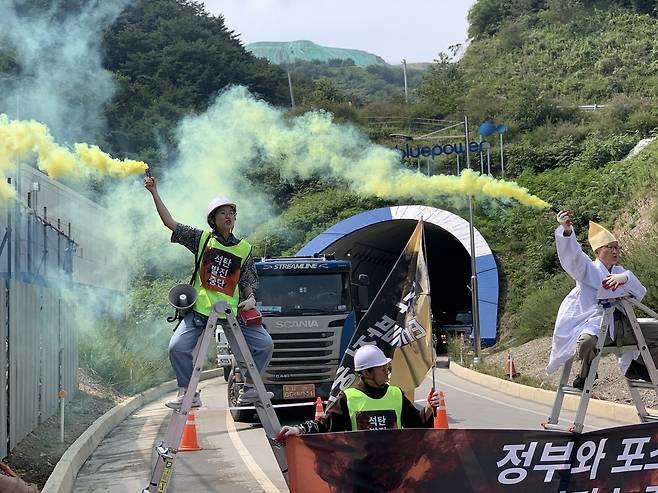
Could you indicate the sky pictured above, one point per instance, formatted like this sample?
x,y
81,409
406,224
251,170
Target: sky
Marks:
x,y
416,30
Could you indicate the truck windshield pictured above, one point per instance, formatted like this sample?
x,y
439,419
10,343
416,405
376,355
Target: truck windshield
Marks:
x,y
299,293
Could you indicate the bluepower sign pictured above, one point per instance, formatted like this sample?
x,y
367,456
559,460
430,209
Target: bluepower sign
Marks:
x,y
437,150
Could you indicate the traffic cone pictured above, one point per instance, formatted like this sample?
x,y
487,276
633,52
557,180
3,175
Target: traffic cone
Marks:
x,y
510,369
319,409
189,442
441,416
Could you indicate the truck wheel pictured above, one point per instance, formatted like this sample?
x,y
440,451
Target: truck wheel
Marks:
x,y
233,389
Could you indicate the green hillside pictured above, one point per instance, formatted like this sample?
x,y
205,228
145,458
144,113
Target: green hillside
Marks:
x,y
290,51
530,64
347,82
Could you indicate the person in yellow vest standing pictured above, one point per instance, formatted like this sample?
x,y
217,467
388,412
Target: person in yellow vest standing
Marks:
x,y
371,404
226,272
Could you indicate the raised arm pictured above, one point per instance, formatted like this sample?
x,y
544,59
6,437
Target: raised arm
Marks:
x,y
163,212
573,260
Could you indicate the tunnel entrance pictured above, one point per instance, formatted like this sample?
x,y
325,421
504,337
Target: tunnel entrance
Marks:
x,y
374,250
373,241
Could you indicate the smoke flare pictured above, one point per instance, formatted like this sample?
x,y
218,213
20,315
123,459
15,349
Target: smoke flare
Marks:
x,y
19,140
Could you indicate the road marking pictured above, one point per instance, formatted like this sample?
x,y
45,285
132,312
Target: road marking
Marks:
x,y
255,470
593,428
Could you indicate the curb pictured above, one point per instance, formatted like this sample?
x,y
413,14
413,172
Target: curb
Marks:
x,y
63,476
597,407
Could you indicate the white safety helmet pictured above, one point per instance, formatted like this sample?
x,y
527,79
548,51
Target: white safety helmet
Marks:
x,y
369,356
218,202
214,204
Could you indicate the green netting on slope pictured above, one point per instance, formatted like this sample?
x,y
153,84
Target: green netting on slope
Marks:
x,y
284,52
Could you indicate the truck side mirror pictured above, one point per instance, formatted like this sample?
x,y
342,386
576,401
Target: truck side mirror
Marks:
x,y
362,298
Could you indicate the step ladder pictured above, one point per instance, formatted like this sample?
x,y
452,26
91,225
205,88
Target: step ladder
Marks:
x,y
167,449
625,305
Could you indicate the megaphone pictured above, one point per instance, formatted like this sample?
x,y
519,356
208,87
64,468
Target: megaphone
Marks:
x,y
182,297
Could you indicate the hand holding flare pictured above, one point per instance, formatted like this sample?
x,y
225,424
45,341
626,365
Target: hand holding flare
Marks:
x,y
613,281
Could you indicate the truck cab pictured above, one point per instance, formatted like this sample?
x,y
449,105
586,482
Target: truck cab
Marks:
x,y
308,308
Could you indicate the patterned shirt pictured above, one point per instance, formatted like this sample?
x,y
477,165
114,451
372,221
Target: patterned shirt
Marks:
x,y
190,237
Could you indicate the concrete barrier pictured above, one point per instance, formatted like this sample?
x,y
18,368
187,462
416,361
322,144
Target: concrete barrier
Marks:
x,y
62,478
596,407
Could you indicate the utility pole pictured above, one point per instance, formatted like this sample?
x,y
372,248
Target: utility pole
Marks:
x,y
475,306
292,96
404,71
502,160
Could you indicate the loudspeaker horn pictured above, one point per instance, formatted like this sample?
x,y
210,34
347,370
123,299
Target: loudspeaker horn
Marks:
x,y
182,297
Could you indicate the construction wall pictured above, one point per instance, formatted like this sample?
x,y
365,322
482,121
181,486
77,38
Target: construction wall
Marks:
x,y
3,374
78,218
51,246
42,355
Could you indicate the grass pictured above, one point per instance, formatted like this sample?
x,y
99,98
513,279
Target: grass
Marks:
x,y
463,355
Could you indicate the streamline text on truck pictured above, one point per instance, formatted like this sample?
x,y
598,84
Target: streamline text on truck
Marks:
x,y
309,307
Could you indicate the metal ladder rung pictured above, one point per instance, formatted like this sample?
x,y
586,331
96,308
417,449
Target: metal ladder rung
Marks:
x,y
639,384
557,427
618,350
568,389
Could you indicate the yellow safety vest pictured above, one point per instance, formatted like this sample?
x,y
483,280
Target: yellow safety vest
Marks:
x,y
367,413
218,276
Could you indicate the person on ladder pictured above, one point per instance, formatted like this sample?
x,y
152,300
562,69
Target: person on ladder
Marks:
x,y
579,319
226,272
371,404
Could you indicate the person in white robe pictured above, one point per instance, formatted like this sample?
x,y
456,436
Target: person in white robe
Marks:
x,y
579,316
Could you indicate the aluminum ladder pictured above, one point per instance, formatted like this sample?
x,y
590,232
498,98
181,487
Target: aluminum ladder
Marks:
x,y
625,305
168,448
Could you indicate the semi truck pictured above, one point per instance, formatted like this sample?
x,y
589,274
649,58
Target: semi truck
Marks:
x,y
310,307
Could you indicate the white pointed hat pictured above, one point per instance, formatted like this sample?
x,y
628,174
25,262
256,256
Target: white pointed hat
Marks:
x,y
599,236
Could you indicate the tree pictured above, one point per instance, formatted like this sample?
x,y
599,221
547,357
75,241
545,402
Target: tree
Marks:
x,y
443,87
171,57
486,17
326,91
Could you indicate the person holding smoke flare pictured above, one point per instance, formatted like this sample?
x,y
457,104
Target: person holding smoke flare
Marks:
x,y
578,319
371,403
226,272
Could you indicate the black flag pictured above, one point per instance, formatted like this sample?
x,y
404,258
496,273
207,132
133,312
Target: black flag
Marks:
x,y
398,321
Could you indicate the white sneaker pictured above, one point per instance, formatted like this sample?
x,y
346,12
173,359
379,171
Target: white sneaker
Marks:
x,y
249,395
178,401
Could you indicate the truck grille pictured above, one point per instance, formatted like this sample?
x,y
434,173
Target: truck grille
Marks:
x,y
310,356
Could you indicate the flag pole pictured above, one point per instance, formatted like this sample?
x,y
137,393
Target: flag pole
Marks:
x,y
429,295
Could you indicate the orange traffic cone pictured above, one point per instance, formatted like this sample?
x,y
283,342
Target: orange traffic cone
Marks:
x,y
441,417
510,369
189,442
319,409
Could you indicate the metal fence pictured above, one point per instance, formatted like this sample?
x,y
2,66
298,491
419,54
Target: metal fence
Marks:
x,y
39,352
3,373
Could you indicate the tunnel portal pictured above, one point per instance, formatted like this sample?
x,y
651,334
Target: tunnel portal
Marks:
x,y
373,240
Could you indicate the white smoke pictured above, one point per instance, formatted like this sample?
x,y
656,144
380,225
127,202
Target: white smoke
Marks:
x,y
60,80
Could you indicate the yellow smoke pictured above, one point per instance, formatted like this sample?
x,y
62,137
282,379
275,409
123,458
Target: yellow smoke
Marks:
x,y
105,165
20,140
239,132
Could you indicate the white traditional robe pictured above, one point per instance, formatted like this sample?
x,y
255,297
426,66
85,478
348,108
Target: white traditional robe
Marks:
x,y
579,311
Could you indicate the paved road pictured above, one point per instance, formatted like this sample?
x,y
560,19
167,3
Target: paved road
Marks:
x,y
235,456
